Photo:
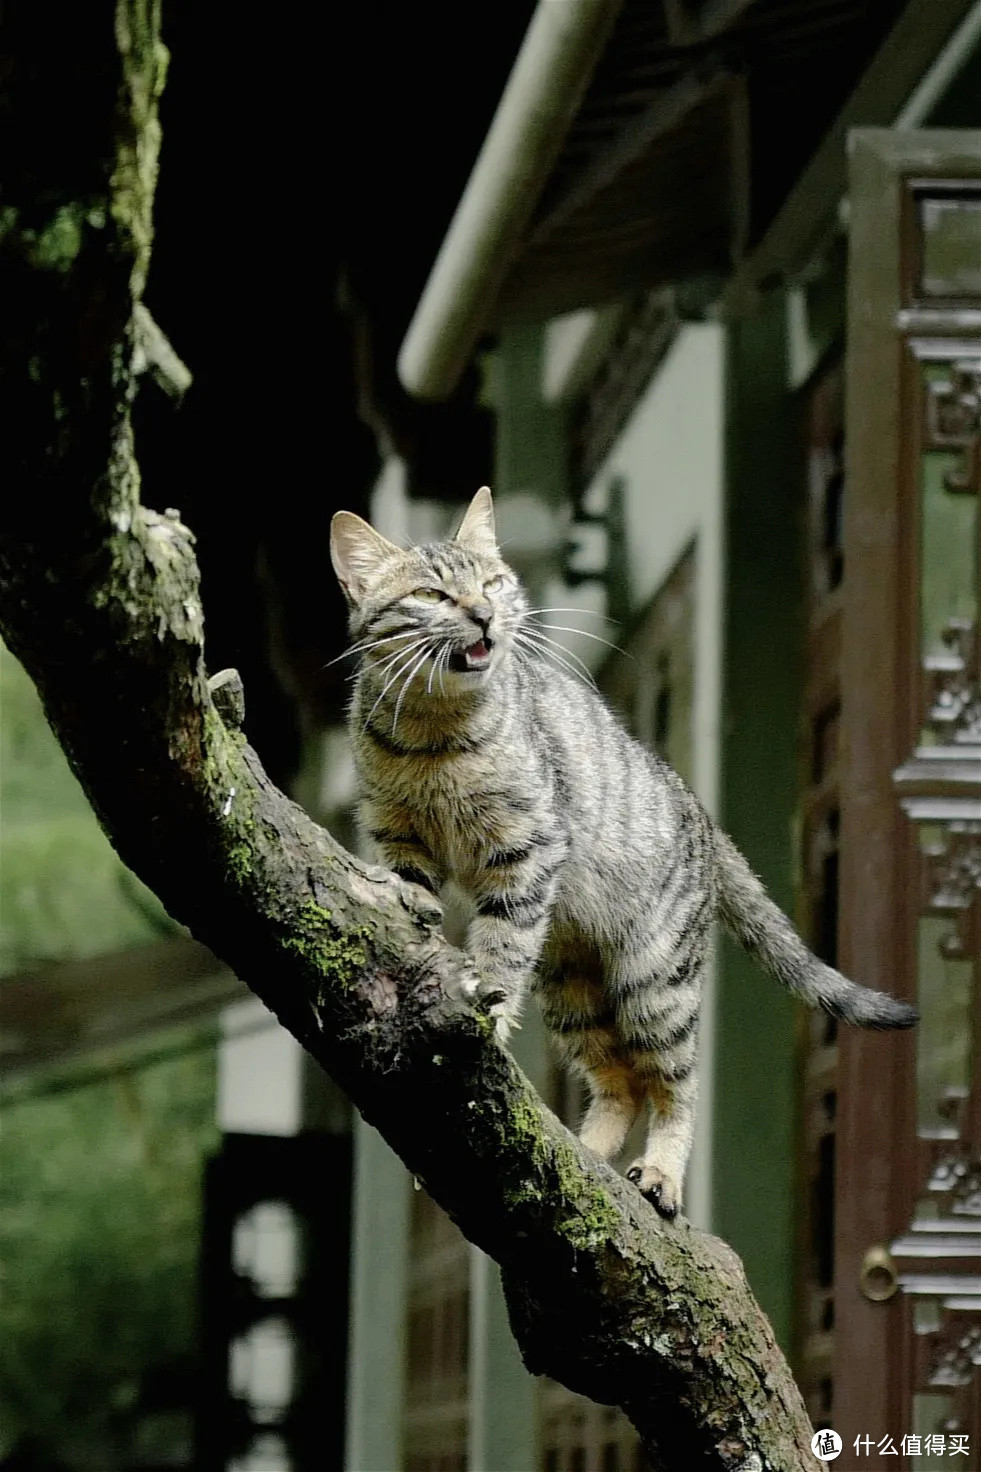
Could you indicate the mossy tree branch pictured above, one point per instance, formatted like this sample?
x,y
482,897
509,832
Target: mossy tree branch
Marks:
x,y
100,600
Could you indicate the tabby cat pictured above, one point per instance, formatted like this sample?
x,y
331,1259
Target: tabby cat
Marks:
x,y
590,871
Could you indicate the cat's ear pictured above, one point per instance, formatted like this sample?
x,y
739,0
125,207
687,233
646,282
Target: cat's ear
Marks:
x,y
477,528
357,552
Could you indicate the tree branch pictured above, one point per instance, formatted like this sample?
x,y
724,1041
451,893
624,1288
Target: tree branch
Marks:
x,y
99,599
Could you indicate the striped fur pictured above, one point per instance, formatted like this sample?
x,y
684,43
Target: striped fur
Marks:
x,y
589,872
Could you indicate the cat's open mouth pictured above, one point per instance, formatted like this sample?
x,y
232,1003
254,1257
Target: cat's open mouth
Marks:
x,y
474,657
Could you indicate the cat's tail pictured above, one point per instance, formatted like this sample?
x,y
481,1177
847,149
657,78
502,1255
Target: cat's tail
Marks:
x,y
751,918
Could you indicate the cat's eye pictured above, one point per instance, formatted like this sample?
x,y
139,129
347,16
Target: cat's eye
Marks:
x,y
430,595
494,585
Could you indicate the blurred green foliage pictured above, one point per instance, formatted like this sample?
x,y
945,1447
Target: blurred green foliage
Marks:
x,y
100,1181
100,1212
63,891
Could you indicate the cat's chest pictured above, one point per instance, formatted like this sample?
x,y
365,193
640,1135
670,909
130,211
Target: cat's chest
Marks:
x,y
461,808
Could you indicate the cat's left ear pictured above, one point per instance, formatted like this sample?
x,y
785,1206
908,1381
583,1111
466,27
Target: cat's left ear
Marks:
x,y
358,553
477,528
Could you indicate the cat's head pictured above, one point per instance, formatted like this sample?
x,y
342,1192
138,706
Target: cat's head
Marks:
x,y
451,607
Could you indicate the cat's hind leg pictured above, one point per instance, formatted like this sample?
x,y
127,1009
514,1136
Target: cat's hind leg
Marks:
x,y
576,1011
659,1173
615,1103
657,1031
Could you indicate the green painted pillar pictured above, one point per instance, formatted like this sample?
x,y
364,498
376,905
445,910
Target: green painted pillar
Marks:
x,y
503,1428
501,1432
379,1276
755,1093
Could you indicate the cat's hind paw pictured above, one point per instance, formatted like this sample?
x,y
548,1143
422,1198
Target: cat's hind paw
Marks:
x,y
657,1187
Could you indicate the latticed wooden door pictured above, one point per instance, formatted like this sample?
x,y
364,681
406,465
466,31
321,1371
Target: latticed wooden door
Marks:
x,y
908,1199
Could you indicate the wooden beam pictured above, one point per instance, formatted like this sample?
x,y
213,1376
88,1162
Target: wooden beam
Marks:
x,y
689,22
662,115
536,111
809,215
70,1009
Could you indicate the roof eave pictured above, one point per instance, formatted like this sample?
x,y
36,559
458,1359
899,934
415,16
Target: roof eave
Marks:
x,y
553,69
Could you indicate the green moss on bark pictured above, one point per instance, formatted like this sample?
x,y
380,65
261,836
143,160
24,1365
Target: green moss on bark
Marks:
x,y
56,246
338,955
134,179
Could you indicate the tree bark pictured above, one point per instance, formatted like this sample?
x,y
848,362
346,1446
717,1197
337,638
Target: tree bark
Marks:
x,y
99,598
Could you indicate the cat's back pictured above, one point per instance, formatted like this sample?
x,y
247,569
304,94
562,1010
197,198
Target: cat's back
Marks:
x,y
616,787
632,821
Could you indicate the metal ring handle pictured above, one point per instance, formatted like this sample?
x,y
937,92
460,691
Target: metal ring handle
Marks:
x,y
878,1278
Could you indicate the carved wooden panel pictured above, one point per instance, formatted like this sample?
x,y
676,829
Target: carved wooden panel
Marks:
x,y
953,411
909,1191
938,1259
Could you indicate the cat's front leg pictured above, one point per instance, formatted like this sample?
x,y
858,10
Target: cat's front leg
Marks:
x,y
505,954
401,849
513,900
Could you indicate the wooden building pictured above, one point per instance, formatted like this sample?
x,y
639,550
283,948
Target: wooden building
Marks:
x,y
721,267
708,316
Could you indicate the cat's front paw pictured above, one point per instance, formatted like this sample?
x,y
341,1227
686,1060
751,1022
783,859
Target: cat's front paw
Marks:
x,y
486,996
489,996
657,1187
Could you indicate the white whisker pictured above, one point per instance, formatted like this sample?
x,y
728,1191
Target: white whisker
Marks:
x,y
364,645
544,650
554,644
381,666
415,669
406,662
589,612
436,663
566,629
386,663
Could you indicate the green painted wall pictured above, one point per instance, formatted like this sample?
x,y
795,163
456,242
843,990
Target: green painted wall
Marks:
x,y
530,444
754,1117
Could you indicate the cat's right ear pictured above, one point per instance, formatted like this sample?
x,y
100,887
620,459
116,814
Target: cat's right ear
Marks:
x,y
477,527
357,552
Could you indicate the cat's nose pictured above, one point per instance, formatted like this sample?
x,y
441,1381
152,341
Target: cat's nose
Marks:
x,y
481,613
